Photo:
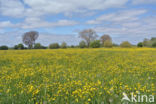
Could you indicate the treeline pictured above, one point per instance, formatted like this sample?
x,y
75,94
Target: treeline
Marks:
x,y
89,37
148,42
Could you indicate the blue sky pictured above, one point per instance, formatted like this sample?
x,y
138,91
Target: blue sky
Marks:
x,y
61,20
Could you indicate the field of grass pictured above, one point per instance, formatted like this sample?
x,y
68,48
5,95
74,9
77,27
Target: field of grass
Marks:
x,y
76,76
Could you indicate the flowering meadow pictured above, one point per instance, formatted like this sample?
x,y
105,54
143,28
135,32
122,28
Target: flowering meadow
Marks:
x,y
76,76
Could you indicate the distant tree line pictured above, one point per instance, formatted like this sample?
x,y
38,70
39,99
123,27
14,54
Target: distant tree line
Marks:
x,y
89,37
148,42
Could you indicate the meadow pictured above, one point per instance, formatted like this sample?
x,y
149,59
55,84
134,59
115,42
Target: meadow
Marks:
x,y
76,76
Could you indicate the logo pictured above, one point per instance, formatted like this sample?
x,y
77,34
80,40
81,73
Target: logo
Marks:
x,y
125,97
138,98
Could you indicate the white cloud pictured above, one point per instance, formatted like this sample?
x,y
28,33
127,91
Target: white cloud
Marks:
x,y
121,23
31,23
4,24
143,1
121,16
143,27
1,30
62,6
16,8
12,8
127,24
10,38
131,24
133,35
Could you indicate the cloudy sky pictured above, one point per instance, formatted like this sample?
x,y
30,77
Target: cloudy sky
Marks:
x,y
61,20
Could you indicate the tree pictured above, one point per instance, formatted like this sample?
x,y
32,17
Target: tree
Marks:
x,y
125,44
95,44
140,44
88,35
104,38
16,47
19,46
39,46
108,44
64,45
54,46
82,44
72,46
29,38
153,39
154,44
4,47
146,42
115,45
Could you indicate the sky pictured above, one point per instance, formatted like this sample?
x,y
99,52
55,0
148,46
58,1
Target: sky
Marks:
x,y
62,20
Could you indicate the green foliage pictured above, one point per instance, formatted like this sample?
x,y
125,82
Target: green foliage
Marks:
x,y
125,44
108,44
153,39
145,42
4,47
88,35
154,44
19,46
149,42
54,46
95,44
39,46
64,45
82,44
105,38
140,44
72,46
115,45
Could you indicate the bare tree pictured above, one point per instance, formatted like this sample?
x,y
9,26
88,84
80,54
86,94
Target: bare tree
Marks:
x,y
29,38
105,38
88,35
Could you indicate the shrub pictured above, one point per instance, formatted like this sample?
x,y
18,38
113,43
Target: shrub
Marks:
x,y
64,45
82,44
39,46
147,43
95,44
19,46
115,45
4,47
140,44
105,38
125,44
154,44
108,44
54,46
44,47
16,47
72,46
153,39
